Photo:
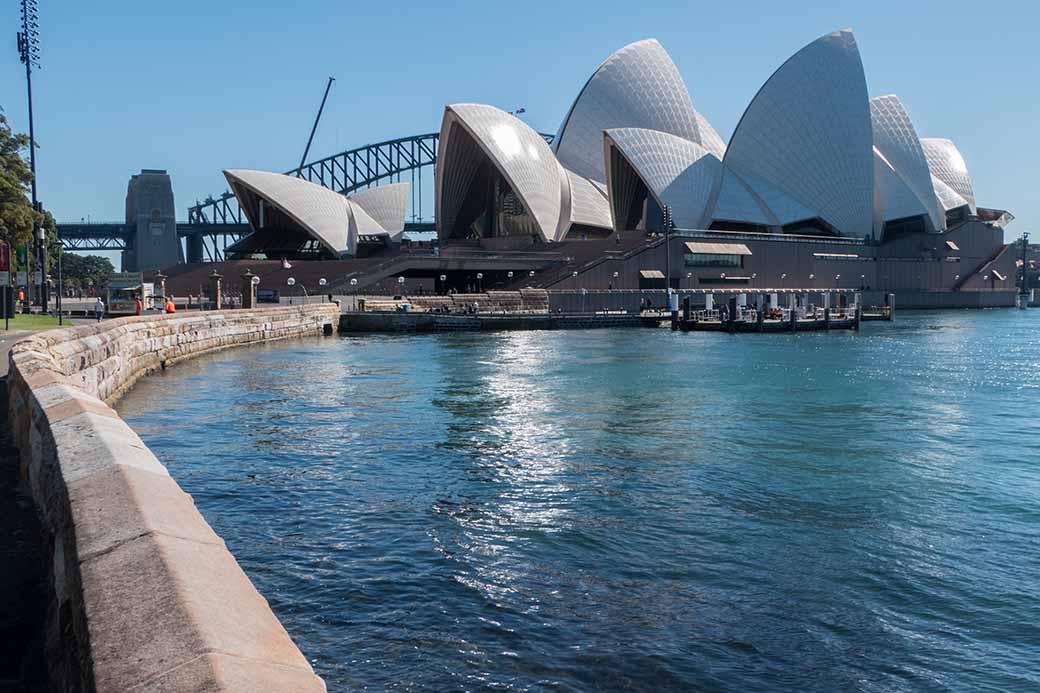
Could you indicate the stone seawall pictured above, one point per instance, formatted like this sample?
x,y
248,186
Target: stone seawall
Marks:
x,y
144,595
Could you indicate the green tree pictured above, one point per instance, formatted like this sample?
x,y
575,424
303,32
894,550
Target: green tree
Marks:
x,y
80,270
16,212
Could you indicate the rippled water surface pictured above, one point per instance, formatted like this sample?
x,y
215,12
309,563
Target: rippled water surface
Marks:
x,y
631,509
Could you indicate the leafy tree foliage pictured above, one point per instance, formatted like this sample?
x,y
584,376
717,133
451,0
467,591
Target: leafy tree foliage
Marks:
x,y
80,270
16,212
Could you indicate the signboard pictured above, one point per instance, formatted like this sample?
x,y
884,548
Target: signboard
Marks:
x,y
125,280
22,278
38,277
5,278
22,255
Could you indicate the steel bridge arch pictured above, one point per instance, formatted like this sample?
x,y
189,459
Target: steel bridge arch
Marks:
x,y
345,172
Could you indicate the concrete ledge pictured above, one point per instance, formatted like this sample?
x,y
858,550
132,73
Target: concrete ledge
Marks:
x,y
145,594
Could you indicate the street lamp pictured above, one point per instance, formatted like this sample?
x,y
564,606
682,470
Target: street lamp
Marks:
x,y
783,280
444,278
689,279
480,279
322,282
837,279
291,282
400,284
353,289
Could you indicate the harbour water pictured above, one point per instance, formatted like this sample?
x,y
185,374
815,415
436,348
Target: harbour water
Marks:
x,y
631,509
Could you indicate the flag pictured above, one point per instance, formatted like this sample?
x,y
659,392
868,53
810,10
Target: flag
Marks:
x,y
520,109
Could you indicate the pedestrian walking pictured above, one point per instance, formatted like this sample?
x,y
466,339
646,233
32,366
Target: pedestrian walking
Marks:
x,y
99,309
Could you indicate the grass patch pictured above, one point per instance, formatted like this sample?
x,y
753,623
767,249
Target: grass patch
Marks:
x,y
32,322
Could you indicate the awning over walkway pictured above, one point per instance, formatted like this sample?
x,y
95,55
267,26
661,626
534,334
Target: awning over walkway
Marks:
x,y
651,274
718,248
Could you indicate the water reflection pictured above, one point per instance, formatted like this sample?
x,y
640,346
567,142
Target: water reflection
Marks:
x,y
626,509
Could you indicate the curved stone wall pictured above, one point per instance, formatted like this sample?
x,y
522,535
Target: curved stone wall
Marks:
x,y
145,595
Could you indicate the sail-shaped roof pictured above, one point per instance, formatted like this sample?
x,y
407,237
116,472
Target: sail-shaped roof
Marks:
x,y
947,164
637,86
519,153
679,173
808,134
896,140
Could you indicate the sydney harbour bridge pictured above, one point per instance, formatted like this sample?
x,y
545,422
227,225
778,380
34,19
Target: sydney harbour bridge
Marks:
x,y
216,222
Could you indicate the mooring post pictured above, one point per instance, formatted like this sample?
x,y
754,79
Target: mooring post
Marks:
x,y
248,290
731,319
826,318
686,309
214,288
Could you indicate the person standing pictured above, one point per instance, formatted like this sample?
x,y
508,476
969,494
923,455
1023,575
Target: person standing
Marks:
x,y
138,306
99,309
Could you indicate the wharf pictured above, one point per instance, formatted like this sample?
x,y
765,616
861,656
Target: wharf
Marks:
x,y
798,325
369,321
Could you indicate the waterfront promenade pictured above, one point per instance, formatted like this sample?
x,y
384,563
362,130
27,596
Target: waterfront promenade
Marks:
x,y
142,591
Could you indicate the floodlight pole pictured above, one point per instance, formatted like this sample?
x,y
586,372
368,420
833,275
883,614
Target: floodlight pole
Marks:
x,y
29,54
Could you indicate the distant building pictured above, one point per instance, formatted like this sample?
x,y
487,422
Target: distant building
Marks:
x,y
152,218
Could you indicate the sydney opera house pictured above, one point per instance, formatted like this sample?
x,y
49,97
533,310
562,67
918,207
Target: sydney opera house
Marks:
x,y
819,184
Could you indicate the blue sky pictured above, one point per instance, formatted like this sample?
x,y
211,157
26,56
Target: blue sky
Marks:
x,y
194,87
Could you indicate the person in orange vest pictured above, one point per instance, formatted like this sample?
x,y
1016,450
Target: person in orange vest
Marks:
x,y
138,306
170,308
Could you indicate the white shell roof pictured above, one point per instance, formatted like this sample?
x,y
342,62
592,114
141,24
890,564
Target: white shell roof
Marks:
x,y
638,86
679,173
895,199
519,153
897,141
386,204
735,202
781,206
319,210
947,164
588,201
947,196
808,133
331,218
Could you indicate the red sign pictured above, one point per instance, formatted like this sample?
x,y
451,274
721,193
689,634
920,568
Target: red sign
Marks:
x,y
5,257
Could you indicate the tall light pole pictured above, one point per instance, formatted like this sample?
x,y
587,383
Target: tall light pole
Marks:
x,y
29,54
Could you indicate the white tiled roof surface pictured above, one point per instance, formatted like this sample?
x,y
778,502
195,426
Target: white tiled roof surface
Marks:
x,y
588,202
808,132
386,204
947,164
947,196
638,86
680,173
520,154
895,199
322,212
735,202
897,141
